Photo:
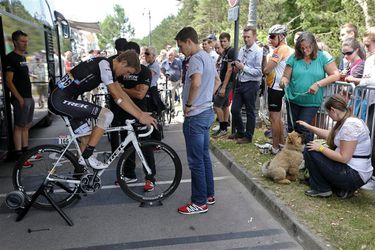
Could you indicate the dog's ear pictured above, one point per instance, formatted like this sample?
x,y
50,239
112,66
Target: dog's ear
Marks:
x,y
302,137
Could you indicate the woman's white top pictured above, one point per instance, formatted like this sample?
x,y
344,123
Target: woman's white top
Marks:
x,y
355,129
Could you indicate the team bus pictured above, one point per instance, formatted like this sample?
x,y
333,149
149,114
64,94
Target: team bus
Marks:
x,y
46,32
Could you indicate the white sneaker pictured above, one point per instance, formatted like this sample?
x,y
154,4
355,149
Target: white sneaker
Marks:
x,y
92,162
274,151
370,185
130,180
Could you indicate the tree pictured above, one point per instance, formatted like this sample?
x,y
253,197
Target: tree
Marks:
x,y
113,27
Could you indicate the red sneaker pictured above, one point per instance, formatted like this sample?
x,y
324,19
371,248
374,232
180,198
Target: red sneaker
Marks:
x,y
27,164
192,208
211,200
36,157
149,186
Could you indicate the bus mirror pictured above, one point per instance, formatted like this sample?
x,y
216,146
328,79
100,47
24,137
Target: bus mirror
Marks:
x,y
65,29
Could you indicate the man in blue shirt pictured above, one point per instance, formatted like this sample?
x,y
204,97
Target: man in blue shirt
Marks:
x,y
172,68
249,65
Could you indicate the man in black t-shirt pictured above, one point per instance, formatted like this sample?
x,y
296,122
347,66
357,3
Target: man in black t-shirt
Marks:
x,y
136,86
18,82
221,100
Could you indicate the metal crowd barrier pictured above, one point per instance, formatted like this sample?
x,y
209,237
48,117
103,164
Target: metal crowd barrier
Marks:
x,y
345,89
363,106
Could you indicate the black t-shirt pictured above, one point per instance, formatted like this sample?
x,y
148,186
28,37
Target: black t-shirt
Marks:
x,y
18,65
228,57
87,76
129,82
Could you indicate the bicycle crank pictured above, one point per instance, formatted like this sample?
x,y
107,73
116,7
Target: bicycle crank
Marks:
x,y
88,185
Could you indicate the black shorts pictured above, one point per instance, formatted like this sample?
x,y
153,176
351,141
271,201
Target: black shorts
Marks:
x,y
223,101
64,104
275,100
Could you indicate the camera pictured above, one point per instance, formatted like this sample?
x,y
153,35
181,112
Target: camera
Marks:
x,y
234,63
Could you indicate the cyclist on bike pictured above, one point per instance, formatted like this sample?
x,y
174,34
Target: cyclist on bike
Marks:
x,y
85,77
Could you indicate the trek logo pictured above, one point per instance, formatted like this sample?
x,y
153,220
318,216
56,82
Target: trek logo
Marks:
x,y
74,104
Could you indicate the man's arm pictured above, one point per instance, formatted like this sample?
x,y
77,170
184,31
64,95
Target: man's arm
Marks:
x,y
123,100
196,80
139,92
217,82
9,80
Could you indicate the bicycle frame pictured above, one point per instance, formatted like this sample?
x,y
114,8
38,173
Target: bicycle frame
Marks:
x,y
131,137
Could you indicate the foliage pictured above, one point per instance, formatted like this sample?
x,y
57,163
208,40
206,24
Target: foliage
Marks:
x,y
322,17
113,27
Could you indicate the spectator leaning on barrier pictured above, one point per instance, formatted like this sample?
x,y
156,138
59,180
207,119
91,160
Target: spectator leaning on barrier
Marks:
x,y
201,81
308,70
249,65
274,70
351,50
345,165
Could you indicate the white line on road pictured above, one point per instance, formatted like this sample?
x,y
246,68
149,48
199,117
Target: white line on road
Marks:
x,y
220,178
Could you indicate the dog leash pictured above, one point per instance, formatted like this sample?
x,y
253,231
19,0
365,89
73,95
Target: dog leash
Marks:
x,y
289,108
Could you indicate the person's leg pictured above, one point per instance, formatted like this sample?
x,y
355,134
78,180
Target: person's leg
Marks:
x,y
306,114
236,110
173,92
17,138
277,129
206,157
327,175
250,96
194,129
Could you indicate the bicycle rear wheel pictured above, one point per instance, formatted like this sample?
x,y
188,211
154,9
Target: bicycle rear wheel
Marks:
x,y
169,111
167,176
33,167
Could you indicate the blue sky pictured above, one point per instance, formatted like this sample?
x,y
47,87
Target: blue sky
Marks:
x,y
137,11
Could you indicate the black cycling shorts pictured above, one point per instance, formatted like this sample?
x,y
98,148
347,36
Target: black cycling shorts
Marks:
x,y
275,100
64,104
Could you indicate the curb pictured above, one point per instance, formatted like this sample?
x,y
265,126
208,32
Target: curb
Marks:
x,y
278,210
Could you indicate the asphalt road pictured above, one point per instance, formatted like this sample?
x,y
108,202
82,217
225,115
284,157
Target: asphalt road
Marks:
x,y
109,219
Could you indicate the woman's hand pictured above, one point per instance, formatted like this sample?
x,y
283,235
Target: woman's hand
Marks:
x,y
313,88
284,82
302,123
313,146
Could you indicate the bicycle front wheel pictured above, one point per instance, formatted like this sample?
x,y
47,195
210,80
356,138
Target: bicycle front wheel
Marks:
x,y
166,176
34,166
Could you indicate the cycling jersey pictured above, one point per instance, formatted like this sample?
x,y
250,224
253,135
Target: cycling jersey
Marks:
x,y
84,77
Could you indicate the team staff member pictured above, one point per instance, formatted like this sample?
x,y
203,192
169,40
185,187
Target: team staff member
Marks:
x,y
274,72
18,82
136,85
85,77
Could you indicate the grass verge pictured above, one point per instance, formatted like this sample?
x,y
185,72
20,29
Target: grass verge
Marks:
x,y
346,224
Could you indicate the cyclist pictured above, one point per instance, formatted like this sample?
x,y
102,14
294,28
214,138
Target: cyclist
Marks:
x,y
85,77
274,71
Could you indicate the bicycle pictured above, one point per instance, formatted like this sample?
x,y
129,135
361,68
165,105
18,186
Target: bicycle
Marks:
x,y
65,179
166,96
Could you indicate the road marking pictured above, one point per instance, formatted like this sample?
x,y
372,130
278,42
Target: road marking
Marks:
x,y
220,178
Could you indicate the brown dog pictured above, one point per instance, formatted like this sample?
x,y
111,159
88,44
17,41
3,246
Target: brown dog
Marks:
x,y
284,167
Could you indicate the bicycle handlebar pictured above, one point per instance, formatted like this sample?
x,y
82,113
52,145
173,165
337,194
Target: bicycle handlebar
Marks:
x,y
133,121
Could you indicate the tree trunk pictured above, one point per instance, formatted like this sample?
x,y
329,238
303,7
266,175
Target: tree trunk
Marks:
x,y
363,5
252,18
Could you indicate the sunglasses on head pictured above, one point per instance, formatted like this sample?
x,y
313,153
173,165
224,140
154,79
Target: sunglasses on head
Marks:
x,y
147,53
348,53
272,36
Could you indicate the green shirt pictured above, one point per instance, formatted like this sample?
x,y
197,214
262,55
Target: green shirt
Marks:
x,y
303,76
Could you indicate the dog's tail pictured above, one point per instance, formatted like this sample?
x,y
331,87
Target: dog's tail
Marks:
x,y
265,168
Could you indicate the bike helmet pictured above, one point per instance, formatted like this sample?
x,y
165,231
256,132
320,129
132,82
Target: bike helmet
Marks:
x,y
278,29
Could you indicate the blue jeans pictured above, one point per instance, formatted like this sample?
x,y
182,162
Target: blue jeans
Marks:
x,y
197,139
296,112
329,175
245,93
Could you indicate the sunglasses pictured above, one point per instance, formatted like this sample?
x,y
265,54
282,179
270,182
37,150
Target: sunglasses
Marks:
x,y
272,36
348,53
147,53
